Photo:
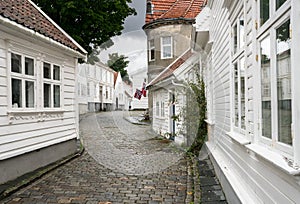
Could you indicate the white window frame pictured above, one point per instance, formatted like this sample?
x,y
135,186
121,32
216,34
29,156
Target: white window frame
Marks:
x,y
237,54
163,46
150,49
276,19
52,82
157,108
23,78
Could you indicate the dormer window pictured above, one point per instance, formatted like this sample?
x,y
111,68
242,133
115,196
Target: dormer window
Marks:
x,y
149,7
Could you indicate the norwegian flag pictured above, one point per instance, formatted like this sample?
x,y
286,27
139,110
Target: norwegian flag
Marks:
x,y
144,89
138,94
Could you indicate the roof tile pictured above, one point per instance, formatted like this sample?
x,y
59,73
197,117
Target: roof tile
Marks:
x,y
168,9
24,13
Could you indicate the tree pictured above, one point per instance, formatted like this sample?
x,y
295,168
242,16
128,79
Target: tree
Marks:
x,y
118,63
90,22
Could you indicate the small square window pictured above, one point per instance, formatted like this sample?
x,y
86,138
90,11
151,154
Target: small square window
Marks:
x,y
29,66
47,70
16,65
56,72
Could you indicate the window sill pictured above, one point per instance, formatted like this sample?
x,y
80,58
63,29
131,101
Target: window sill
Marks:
x,y
274,158
238,138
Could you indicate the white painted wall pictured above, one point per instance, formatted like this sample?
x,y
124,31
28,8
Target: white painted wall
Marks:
x,y
29,129
250,171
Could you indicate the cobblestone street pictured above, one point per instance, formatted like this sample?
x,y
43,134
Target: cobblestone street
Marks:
x,y
123,163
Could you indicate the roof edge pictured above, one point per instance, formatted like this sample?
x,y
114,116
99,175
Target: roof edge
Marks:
x,y
168,21
58,27
152,82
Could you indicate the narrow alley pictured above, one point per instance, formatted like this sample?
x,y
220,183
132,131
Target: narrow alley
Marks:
x,y
123,163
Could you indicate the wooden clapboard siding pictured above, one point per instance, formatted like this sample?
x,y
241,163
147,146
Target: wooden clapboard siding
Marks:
x,y
24,131
250,11
221,65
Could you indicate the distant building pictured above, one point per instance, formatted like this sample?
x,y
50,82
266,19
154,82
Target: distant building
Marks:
x,y
119,92
38,106
95,87
169,29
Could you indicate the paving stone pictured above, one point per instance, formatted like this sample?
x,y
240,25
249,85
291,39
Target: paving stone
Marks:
x,y
123,163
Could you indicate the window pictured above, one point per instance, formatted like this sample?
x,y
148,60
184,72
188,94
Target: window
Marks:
x,y
151,50
238,32
23,80
51,85
239,93
157,108
166,47
149,8
162,109
268,8
238,73
276,103
88,89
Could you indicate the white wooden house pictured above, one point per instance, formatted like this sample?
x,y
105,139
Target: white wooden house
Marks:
x,y
95,87
169,97
119,92
38,107
253,95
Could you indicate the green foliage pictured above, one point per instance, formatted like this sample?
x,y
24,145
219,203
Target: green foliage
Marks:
x,y
118,63
198,91
89,22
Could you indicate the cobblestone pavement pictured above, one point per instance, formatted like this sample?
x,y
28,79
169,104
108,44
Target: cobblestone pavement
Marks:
x,y
123,163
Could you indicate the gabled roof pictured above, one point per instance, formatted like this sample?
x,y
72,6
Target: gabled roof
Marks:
x,y
174,9
166,73
27,14
116,74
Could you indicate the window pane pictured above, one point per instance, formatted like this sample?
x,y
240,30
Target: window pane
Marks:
x,y
242,92
16,93
47,95
166,40
265,82
29,66
29,94
284,93
16,65
56,96
279,3
235,37
56,72
47,71
157,108
167,51
152,49
236,95
264,11
242,31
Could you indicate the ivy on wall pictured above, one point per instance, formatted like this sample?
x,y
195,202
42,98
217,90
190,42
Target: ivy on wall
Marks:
x,y
197,97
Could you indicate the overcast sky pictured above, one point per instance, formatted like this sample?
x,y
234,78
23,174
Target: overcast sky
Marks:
x,y
132,43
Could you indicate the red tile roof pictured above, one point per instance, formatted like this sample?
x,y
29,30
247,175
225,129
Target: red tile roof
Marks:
x,y
26,14
170,9
172,67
